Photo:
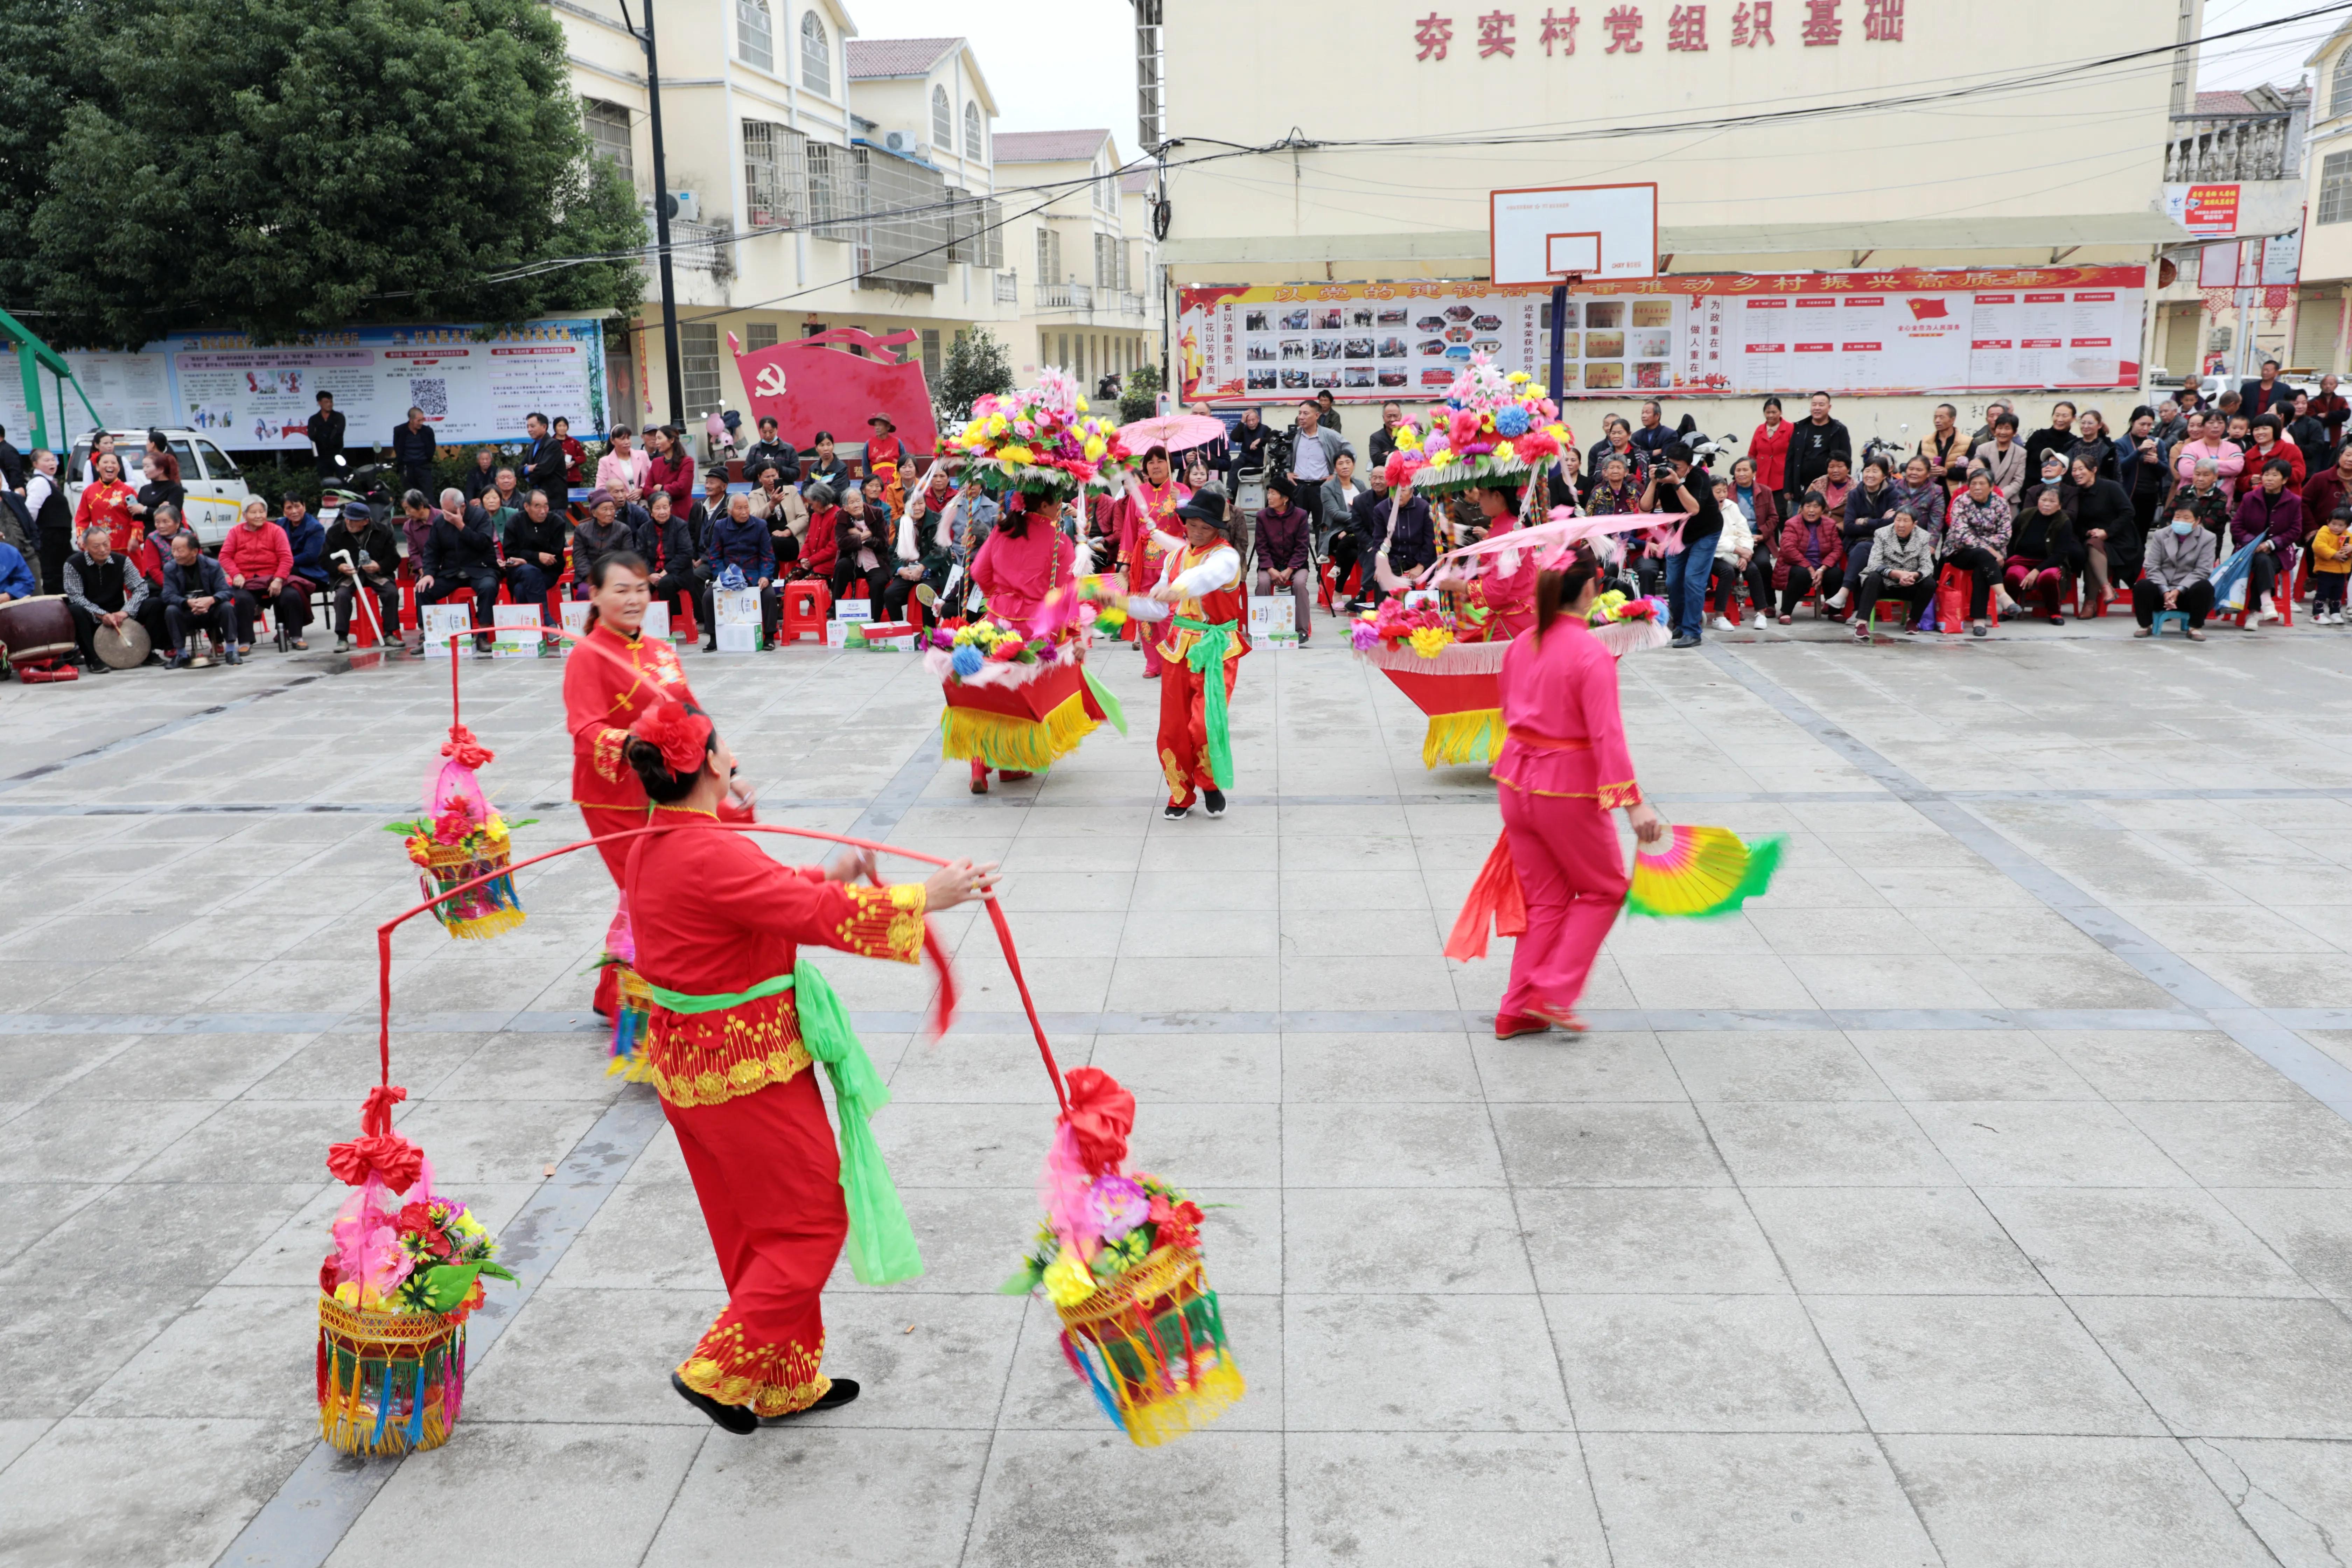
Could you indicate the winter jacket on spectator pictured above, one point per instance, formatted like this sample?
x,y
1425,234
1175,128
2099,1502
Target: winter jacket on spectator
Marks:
x,y
1926,504
1769,448
1328,507
2103,505
1811,448
2228,458
2310,436
673,471
1760,506
544,468
1833,496
16,524
2212,507
744,545
527,540
821,546
374,539
418,536
16,578
592,541
614,470
2101,453
2253,399
257,555
1889,553
1798,545
2007,469
1282,538
1982,527
1868,511
2259,458
307,541
199,579
2175,560
574,456
1410,539
669,546
2322,495
782,454
2045,541
2259,513
414,449
453,548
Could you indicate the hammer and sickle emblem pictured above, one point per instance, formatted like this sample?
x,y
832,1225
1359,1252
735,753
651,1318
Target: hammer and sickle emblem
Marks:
x,y
772,380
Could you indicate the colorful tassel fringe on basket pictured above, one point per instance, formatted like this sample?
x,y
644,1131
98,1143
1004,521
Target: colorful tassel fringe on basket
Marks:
x,y
478,913
389,1383
1476,736
1009,740
1151,1345
633,1006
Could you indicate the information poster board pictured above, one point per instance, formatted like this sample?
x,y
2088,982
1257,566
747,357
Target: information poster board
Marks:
x,y
250,398
1902,330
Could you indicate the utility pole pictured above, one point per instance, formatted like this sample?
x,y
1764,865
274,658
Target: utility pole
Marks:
x,y
661,214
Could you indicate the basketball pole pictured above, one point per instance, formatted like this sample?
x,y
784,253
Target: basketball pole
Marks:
x,y
1559,339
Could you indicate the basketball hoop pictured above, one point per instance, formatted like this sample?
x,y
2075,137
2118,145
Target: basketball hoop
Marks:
x,y
1556,235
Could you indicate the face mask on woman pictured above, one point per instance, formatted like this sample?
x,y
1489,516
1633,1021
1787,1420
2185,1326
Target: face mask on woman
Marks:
x,y
2181,525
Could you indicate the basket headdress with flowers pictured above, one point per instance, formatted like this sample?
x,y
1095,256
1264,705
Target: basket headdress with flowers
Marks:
x,y
1039,442
1492,429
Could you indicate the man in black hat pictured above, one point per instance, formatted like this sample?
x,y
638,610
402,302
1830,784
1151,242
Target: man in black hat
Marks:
x,y
362,557
1200,598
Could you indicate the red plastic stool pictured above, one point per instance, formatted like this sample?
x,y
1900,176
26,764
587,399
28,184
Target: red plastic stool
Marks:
x,y
808,604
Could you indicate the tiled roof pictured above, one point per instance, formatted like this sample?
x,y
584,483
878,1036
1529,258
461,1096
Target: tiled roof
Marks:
x,y
896,57
1137,181
1049,146
2211,103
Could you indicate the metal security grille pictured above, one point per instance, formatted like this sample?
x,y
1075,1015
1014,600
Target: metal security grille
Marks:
x,y
698,353
2336,187
608,132
913,246
823,159
767,191
759,335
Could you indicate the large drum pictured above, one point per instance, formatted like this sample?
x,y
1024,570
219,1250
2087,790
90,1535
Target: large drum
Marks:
x,y
37,631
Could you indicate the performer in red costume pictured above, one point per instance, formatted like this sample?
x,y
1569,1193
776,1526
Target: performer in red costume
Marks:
x,y
1147,522
1023,558
1506,591
1201,639
738,1018
612,678
1564,768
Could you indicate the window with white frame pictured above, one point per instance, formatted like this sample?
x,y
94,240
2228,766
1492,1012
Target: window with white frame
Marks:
x,y
2339,86
821,164
816,54
608,125
775,175
1101,184
755,37
972,130
697,354
2336,188
943,120
1045,255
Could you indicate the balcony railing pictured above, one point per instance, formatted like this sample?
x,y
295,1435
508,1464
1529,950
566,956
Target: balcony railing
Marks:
x,y
1130,303
1064,296
1008,287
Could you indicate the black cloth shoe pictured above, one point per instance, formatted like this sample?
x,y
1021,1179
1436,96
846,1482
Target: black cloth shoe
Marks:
x,y
843,1391
1686,640
1216,799
735,1418
1174,813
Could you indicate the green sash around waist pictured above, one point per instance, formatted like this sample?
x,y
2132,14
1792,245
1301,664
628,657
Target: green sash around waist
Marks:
x,y
1208,657
881,1244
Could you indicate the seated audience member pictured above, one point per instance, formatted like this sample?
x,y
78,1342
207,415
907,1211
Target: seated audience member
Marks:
x,y
857,532
711,509
259,565
823,467
1976,540
673,563
2004,458
2178,574
1902,565
2328,490
362,557
103,589
2271,448
416,515
196,598
820,545
2331,565
785,511
535,556
1736,559
2271,512
1285,553
1760,505
740,540
2041,553
1868,506
17,578
922,551
2203,494
483,474
2106,530
1921,491
2053,477
601,534
307,538
1808,556
461,553
772,450
1834,487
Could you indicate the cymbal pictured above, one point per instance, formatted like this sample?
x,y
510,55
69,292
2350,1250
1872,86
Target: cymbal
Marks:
x,y
125,647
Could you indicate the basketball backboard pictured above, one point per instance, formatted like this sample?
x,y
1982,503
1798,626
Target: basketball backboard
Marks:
x,y
1550,233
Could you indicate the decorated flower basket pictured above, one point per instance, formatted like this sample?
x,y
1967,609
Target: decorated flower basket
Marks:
x,y
1021,699
1119,1256
1492,429
1040,442
407,1270
461,838
1457,684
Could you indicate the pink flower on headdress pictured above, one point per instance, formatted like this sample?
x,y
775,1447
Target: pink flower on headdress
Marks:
x,y
1119,1205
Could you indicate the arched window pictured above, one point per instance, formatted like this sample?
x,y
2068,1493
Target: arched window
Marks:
x,y
2339,86
816,56
754,39
943,120
972,130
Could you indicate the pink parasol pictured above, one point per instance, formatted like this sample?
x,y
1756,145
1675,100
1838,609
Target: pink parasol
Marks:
x,y
1173,431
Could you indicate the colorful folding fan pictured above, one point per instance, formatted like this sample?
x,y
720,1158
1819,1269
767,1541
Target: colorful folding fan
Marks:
x,y
1699,872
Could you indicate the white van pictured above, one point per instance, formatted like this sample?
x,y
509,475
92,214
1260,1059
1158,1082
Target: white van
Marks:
x,y
216,490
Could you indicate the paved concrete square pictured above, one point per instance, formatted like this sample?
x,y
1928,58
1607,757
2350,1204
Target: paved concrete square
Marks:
x,y
1979,1196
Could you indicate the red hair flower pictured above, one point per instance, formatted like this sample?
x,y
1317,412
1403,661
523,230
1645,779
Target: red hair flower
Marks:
x,y
680,736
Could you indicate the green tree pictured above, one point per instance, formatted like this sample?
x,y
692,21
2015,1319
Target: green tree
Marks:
x,y
1139,394
283,167
977,365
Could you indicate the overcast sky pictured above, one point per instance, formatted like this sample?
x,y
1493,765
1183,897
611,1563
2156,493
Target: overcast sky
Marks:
x,y
1072,64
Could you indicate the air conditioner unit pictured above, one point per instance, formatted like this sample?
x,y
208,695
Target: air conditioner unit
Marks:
x,y
689,206
906,143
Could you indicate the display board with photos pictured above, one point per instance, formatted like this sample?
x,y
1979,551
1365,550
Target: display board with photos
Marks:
x,y
1898,329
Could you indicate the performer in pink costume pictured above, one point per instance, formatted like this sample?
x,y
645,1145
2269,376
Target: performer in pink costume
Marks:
x,y
1148,530
1020,563
1564,768
1507,587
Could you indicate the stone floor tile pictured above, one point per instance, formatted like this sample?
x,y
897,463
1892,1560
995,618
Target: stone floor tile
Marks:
x,y
1763,1501
169,1493
1892,1241
1771,1066
2231,1368
1696,1363
2136,1064
1599,1066
2141,1242
1416,1067
1631,1145
1376,1241
1457,1363
1212,1067
1851,1144
595,1357
1362,1500
857,1498
1968,1063
2296,1496
1645,1240
2309,1227
2223,1143
1379,1145
1067,1500
1977,1363
98,1140
532,1481
2034,1143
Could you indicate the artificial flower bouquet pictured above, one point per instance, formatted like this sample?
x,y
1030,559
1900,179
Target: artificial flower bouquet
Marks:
x,y
1425,628
1119,1257
1626,625
989,652
407,1267
462,838
1492,429
1041,441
